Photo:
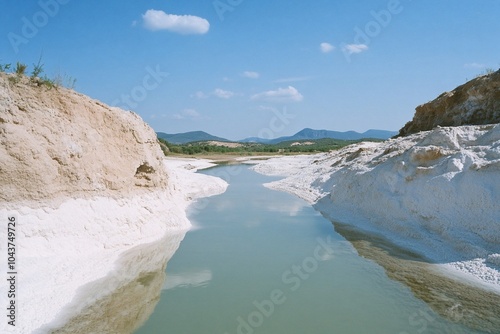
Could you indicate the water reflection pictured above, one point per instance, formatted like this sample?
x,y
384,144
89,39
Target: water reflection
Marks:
x,y
456,301
291,209
188,280
122,301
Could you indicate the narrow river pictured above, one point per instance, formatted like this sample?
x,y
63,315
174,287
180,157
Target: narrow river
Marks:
x,y
262,261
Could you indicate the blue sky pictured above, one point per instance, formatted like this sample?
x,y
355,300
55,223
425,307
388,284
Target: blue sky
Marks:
x,y
241,68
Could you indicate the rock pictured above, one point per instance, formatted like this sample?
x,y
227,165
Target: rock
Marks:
x,y
57,143
475,103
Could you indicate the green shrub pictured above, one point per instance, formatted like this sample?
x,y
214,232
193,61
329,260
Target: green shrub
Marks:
x,y
49,83
37,69
4,67
14,79
20,69
36,77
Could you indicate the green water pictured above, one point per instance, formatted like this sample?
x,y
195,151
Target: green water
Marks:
x,y
262,261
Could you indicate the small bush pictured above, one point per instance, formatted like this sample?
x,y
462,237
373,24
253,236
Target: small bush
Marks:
x,y
14,79
487,71
4,67
36,77
20,69
37,69
49,83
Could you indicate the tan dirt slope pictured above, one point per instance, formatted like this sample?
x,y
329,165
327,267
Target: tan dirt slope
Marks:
x,y
477,102
56,142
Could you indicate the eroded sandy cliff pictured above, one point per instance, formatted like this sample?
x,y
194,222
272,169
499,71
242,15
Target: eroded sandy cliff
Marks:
x,y
56,142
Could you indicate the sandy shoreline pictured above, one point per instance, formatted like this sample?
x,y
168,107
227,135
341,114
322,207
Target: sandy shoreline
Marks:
x,y
78,241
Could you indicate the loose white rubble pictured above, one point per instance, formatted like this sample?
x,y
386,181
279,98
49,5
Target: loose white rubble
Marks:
x,y
435,192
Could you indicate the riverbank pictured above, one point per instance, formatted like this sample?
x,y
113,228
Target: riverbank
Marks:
x,y
67,243
435,193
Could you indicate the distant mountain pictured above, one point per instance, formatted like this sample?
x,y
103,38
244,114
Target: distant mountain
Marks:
x,y
379,134
305,134
255,140
310,134
188,137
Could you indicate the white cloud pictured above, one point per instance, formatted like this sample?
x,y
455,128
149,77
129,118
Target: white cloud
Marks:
x,y
200,95
220,93
290,209
190,114
289,94
355,48
223,94
182,24
326,47
155,116
293,79
251,75
475,65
